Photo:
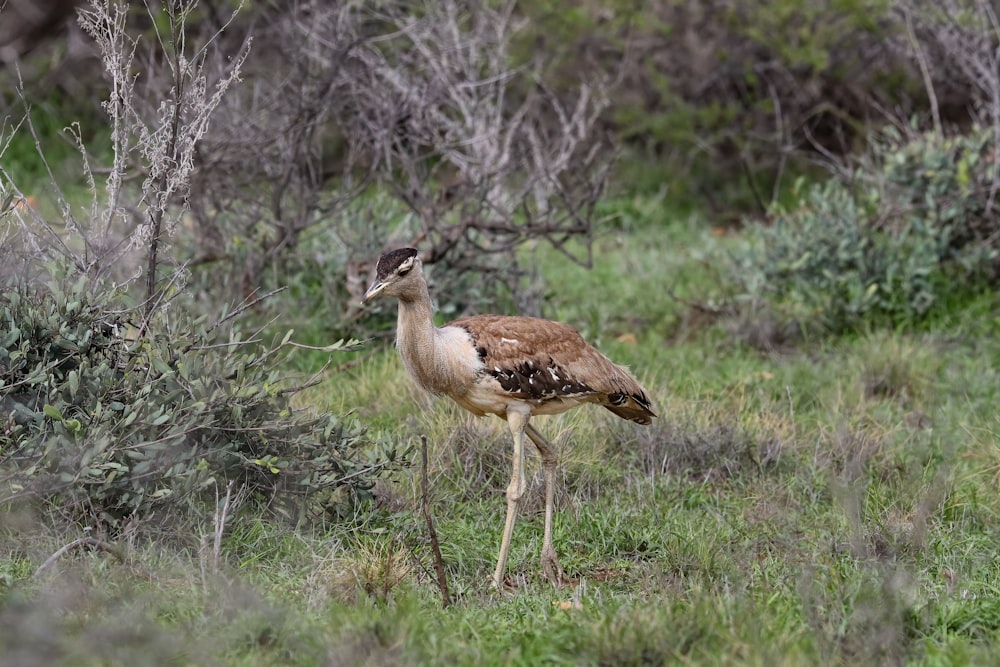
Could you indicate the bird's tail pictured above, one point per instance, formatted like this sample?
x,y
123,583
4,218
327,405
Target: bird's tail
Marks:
x,y
633,407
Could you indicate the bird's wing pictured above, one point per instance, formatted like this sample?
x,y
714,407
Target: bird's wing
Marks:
x,y
540,360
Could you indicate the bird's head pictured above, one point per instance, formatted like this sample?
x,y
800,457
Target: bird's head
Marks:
x,y
397,274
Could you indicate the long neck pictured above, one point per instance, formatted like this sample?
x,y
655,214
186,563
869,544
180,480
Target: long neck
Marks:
x,y
417,340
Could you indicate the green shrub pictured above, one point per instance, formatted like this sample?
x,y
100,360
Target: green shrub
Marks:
x,y
103,424
911,228
826,261
949,183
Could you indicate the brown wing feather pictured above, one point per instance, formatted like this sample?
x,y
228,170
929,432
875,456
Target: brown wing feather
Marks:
x,y
540,360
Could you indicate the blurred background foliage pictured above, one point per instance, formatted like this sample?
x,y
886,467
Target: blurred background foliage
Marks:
x,y
719,106
714,101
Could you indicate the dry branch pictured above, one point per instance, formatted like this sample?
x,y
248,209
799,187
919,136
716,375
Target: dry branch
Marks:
x,y
482,151
442,577
92,542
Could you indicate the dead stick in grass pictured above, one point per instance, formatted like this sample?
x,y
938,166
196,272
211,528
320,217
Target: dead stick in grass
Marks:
x,y
442,579
82,541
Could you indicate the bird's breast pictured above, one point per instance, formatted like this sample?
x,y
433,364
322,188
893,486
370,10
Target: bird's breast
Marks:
x,y
445,363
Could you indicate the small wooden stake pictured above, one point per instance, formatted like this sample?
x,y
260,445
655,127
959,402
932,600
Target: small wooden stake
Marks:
x,y
442,579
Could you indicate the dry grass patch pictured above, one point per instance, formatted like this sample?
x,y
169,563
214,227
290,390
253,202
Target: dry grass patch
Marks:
x,y
703,441
473,458
899,368
373,567
984,452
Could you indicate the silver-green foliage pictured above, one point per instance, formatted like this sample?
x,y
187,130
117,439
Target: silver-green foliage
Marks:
x,y
103,425
910,228
950,183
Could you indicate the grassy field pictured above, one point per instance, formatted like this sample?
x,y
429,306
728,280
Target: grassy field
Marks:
x,y
830,502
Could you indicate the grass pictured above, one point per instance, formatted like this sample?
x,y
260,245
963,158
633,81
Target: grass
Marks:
x,y
834,502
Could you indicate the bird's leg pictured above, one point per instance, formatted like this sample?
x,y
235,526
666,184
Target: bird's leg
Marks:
x,y
516,421
550,564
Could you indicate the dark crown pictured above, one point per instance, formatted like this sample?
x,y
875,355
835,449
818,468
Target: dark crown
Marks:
x,y
391,260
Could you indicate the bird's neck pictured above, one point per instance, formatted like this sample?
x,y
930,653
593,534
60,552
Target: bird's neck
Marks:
x,y
417,341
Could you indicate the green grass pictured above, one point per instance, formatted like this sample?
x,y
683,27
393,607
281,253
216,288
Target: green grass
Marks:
x,y
832,503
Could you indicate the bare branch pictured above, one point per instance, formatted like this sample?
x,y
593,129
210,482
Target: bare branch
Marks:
x,y
425,504
164,137
964,39
91,542
481,151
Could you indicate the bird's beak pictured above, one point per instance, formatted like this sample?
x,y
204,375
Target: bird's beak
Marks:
x,y
373,291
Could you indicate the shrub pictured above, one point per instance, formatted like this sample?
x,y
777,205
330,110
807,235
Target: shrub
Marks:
x,y
105,426
719,100
889,246
825,261
950,183
117,404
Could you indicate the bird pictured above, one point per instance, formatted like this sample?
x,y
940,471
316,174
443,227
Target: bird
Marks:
x,y
511,366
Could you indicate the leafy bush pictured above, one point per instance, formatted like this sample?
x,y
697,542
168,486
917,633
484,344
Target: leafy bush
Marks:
x,y
106,425
825,260
947,182
913,223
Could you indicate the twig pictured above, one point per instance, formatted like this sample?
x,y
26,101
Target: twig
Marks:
x,y
249,302
700,307
92,542
60,198
752,183
347,365
156,213
925,71
219,524
357,473
340,346
442,579
153,303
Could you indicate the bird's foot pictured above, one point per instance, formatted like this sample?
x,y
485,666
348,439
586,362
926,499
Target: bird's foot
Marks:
x,y
497,587
507,585
552,569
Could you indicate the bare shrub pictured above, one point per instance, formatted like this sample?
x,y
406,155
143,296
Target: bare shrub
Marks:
x,y
956,41
513,160
425,103
156,125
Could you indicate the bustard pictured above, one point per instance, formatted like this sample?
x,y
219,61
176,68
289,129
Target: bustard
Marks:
x,y
512,367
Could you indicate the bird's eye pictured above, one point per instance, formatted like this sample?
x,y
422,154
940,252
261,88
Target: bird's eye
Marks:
x,y
402,272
